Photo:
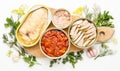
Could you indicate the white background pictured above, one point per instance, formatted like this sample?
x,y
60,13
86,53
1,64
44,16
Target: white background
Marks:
x,y
108,63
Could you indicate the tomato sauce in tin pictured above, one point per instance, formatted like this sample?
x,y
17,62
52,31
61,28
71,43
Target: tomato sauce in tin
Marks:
x,y
54,43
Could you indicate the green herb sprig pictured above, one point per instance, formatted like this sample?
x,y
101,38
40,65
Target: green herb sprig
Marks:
x,y
72,57
101,19
104,19
31,60
104,51
11,41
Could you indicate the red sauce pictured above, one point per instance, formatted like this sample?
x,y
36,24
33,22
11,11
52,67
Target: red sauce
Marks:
x,y
54,43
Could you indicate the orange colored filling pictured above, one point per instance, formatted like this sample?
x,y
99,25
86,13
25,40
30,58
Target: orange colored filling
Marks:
x,y
54,43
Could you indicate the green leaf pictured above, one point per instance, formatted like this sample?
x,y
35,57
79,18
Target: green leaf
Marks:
x,y
52,62
17,24
9,21
9,53
5,38
64,60
26,59
103,45
31,64
34,59
6,25
31,60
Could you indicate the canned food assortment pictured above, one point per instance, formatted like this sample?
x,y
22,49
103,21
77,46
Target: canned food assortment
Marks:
x,y
55,43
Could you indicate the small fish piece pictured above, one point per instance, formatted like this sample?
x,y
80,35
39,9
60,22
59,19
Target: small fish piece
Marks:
x,y
91,37
80,43
73,30
86,42
91,30
93,40
77,22
85,22
79,38
85,27
90,27
77,35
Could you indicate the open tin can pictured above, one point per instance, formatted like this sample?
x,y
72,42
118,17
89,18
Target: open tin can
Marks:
x,y
61,18
54,43
82,33
33,25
